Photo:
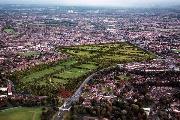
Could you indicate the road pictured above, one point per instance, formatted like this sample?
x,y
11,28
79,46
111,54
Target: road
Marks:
x,y
67,105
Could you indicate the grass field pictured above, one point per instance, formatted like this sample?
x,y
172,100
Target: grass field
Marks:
x,y
72,73
115,57
9,31
176,50
89,66
29,54
51,70
79,53
100,47
21,113
56,81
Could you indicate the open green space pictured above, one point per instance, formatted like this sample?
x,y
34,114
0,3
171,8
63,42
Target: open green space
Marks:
x,y
29,54
83,60
99,47
115,57
9,31
176,50
68,63
48,71
21,113
89,66
72,73
80,53
56,81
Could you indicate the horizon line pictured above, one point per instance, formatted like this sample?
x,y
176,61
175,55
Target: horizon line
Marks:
x,y
101,6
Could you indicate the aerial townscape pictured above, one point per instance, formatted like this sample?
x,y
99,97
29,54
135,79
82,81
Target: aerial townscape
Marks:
x,y
89,63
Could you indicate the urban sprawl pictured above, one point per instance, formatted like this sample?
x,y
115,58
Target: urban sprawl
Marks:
x,y
128,59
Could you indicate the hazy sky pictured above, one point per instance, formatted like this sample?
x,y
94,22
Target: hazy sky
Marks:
x,y
124,3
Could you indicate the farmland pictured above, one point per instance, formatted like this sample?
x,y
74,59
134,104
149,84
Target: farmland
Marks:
x,y
21,113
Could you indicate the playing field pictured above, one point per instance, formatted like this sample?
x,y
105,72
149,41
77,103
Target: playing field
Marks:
x,y
21,113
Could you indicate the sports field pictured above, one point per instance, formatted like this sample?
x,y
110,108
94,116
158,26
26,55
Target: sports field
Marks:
x,y
21,113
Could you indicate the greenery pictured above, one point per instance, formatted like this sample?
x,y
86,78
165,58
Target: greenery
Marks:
x,y
48,113
116,110
21,113
84,60
9,30
48,71
176,50
79,53
88,66
72,73
29,54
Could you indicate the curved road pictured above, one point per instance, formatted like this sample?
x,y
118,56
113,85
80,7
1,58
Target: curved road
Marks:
x,y
67,105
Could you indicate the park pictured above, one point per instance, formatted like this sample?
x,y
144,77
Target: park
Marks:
x,y
21,113
83,60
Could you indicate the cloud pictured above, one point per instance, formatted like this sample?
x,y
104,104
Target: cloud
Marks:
x,y
97,2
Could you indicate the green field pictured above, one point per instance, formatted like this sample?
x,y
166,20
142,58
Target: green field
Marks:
x,y
57,80
72,73
176,50
51,70
83,60
100,47
115,57
80,53
21,113
9,31
89,66
29,54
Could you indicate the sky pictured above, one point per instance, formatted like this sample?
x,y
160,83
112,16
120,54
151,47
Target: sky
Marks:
x,y
117,3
